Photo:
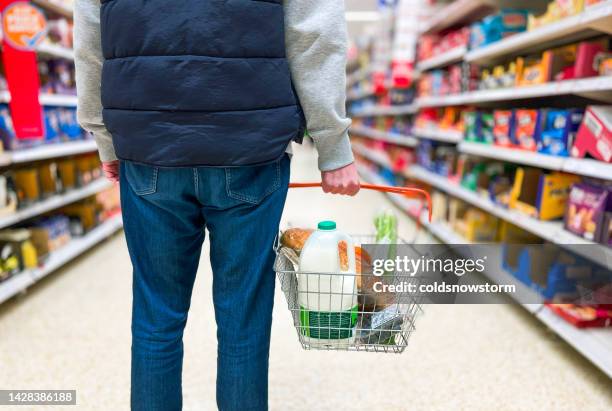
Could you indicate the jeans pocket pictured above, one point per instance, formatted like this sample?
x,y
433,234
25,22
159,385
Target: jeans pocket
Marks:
x,y
141,178
252,184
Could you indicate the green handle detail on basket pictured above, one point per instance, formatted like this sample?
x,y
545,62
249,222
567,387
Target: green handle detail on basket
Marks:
x,y
328,325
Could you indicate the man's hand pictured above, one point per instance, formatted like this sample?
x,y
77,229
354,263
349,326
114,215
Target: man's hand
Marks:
x,y
111,170
343,180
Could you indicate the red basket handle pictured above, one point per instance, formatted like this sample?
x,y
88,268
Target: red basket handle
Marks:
x,y
406,191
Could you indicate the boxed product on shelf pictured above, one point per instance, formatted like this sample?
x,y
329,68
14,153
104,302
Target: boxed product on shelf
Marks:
x,y
27,185
439,205
588,212
57,76
555,11
48,178
497,27
584,316
479,126
594,136
479,175
475,225
109,202
549,270
431,45
559,131
83,216
541,194
17,243
57,228
503,127
501,76
8,194
526,131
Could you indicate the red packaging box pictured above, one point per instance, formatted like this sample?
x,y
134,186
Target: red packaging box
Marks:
x,y
594,136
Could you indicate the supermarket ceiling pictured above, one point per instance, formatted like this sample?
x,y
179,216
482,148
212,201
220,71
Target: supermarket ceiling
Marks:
x,y
360,14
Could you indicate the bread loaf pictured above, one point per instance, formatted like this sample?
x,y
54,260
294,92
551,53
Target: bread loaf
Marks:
x,y
295,238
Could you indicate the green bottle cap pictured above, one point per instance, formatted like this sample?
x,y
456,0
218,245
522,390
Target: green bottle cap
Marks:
x,y
327,225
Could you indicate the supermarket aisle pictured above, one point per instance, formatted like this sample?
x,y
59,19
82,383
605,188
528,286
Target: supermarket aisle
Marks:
x,y
461,357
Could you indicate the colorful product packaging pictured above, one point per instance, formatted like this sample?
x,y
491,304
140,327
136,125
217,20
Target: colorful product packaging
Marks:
x,y
503,127
539,194
559,131
497,27
588,208
594,136
527,128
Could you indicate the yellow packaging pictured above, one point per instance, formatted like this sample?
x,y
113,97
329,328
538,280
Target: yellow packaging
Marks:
x,y
541,195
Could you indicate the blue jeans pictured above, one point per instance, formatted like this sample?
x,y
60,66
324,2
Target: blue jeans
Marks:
x,y
165,211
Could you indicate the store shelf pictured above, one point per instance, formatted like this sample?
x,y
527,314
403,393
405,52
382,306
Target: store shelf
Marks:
x,y
47,151
447,136
54,202
599,88
58,100
386,110
597,17
585,167
552,231
55,7
373,155
512,155
358,95
449,57
46,99
457,12
594,343
392,138
58,258
53,50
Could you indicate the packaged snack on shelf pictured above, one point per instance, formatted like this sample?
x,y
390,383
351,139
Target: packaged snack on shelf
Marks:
x,y
528,123
57,228
49,181
583,316
83,216
587,208
549,270
559,131
486,127
594,135
22,247
476,225
67,172
27,185
497,27
539,194
9,260
471,124
556,10
503,123
8,194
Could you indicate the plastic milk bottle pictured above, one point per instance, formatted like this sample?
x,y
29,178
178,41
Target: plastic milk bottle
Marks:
x,y
327,294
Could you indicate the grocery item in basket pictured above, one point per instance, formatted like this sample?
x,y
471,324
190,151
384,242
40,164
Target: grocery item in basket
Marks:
x,y
295,238
382,326
386,227
327,294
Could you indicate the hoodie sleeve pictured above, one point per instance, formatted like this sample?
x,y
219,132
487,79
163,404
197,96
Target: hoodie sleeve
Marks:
x,y
316,43
88,62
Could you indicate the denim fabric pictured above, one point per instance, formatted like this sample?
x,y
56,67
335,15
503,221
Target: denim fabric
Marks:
x,y
165,211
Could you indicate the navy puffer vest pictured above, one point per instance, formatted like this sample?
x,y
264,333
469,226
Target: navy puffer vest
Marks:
x,y
197,82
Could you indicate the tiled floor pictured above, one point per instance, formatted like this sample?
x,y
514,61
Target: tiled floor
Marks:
x,y
72,332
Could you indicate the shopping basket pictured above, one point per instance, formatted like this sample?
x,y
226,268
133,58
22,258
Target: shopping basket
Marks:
x,y
378,322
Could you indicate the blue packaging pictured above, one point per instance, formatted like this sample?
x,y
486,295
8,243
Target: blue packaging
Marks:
x,y
559,130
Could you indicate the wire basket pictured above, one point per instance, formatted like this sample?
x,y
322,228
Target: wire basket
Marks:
x,y
355,319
